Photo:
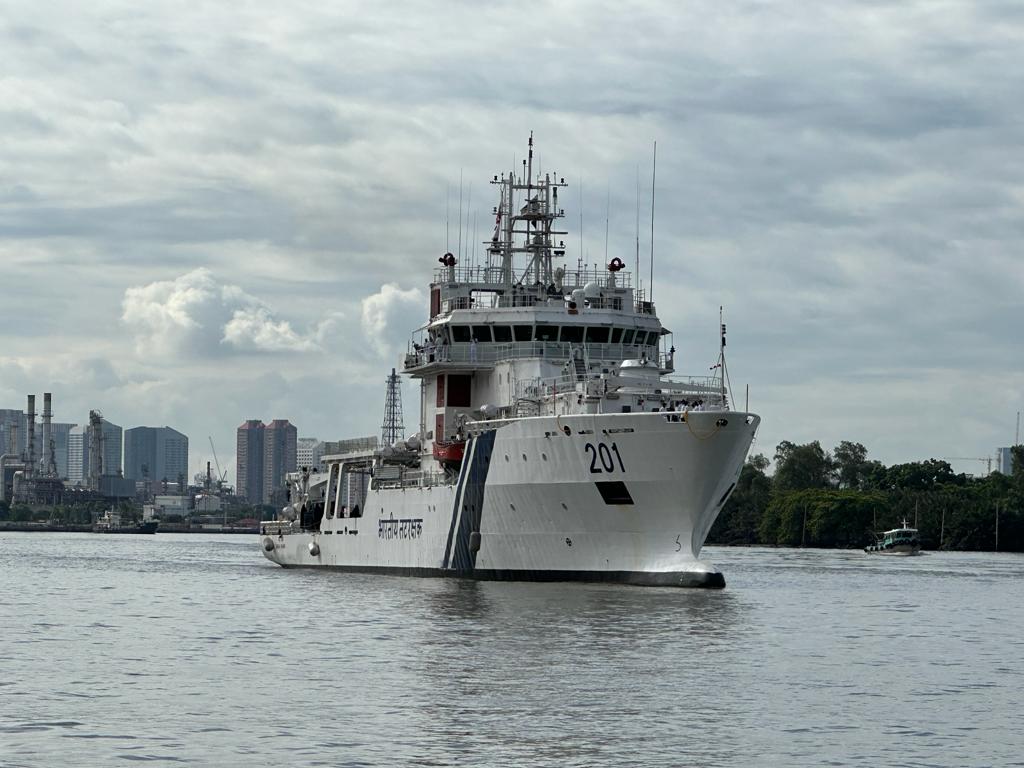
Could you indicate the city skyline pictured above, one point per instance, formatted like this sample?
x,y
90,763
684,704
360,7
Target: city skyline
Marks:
x,y
250,227
163,449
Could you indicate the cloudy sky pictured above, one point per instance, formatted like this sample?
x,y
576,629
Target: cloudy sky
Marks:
x,y
218,211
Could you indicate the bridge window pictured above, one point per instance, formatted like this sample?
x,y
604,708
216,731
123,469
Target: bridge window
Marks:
x,y
502,333
523,332
482,332
616,335
597,335
572,334
547,333
627,337
652,339
460,334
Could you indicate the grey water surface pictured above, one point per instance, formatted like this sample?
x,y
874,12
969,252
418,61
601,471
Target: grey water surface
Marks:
x,y
194,649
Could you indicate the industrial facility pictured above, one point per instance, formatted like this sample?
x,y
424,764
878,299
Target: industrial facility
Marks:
x,y
85,467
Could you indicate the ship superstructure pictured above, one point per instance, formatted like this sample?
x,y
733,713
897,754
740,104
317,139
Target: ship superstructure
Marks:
x,y
552,442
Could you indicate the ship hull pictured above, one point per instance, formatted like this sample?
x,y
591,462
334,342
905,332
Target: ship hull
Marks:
x,y
625,498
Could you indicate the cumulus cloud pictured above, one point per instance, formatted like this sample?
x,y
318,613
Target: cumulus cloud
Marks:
x,y
254,329
390,314
195,313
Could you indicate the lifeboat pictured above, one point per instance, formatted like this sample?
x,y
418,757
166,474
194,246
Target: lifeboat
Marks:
x,y
450,452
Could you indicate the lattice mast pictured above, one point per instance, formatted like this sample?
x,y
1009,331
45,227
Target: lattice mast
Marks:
x,y
528,228
393,428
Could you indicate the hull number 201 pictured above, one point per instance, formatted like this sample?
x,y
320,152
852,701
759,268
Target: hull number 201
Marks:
x,y
602,459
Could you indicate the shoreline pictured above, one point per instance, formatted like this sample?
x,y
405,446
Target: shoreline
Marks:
x,y
19,527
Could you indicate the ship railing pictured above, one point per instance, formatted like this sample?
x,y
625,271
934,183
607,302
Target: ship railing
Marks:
x,y
475,273
486,353
571,279
530,298
563,350
578,278
707,389
406,477
275,527
642,303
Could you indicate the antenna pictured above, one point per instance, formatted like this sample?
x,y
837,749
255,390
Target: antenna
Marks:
x,y
447,236
638,222
469,207
581,217
460,214
1016,439
607,214
654,172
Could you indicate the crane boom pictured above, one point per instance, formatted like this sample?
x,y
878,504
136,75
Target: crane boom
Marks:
x,y
986,459
216,460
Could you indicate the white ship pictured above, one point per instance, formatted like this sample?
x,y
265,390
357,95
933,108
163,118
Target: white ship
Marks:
x,y
552,443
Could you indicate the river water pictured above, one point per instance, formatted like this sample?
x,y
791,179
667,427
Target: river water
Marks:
x,y
194,649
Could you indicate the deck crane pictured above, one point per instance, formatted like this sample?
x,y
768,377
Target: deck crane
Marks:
x,y
987,460
220,475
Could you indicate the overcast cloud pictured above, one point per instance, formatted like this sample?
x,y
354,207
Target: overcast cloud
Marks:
x,y
211,213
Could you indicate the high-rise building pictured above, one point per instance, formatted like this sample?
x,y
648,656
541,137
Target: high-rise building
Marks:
x,y
308,451
280,456
12,425
1004,460
78,449
249,461
155,453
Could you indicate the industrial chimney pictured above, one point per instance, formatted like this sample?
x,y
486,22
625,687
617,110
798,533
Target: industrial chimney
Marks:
x,y
30,425
95,449
49,459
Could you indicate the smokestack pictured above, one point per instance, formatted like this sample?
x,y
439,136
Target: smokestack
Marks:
x,y
95,449
30,457
48,458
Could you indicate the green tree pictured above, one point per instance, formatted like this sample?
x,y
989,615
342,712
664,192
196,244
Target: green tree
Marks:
x,y
820,517
922,475
801,466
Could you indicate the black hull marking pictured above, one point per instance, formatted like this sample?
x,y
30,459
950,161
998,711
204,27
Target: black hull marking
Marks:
x,y
690,579
463,555
457,503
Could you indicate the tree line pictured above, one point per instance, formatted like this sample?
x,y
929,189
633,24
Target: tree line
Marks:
x,y
841,498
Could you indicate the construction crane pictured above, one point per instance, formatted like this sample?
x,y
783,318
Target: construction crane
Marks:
x,y
220,475
987,460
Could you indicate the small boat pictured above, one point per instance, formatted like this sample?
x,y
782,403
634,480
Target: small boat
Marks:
x,y
898,541
110,522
